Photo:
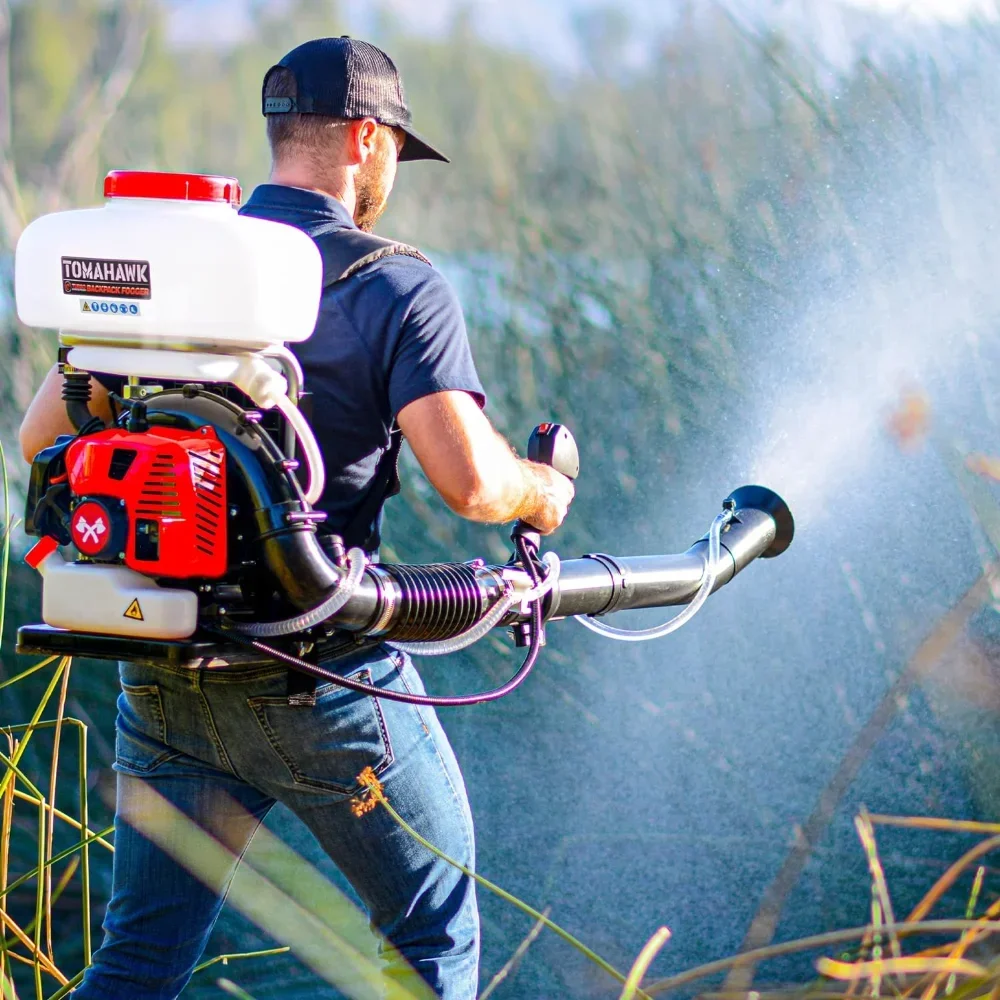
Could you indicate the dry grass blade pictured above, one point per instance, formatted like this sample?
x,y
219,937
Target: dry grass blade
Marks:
x,y
789,993
967,939
970,912
60,888
866,833
951,876
35,719
983,926
373,789
511,964
650,950
235,956
50,832
71,821
228,986
934,823
5,828
908,966
33,669
65,853
38,956
71,985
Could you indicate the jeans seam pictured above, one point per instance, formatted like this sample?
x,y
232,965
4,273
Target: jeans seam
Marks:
x,y
240,673
137,770
242,854
210,724
233,673
146,691
131,766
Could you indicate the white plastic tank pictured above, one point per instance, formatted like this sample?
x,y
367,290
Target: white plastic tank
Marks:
x,y
109,600
167,260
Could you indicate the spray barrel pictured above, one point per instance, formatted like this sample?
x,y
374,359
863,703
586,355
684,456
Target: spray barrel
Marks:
x,y
437,601
761,526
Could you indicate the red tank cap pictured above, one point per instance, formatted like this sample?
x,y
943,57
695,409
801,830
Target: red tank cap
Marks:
x,y
40,551
174,187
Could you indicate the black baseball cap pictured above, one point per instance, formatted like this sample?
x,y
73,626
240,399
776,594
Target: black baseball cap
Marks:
x,y
347,78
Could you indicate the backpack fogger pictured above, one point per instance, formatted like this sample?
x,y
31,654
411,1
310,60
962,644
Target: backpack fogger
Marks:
x,y
187,528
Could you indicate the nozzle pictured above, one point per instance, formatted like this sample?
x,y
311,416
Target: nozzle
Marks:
x,y
762,499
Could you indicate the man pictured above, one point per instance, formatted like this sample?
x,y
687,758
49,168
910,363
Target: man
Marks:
x,y
224,744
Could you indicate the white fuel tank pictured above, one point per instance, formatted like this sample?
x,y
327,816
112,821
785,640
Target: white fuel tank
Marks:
x,y
109,600
168,262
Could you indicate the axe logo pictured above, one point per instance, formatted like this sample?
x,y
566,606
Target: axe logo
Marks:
x,y
91,532
90,528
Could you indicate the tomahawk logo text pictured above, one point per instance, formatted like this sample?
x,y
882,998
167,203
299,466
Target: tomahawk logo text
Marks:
x,y
111,278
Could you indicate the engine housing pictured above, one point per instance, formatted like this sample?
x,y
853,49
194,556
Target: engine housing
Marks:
x,y
153,500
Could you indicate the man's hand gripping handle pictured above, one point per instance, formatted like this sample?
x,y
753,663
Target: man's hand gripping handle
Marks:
x,y
556,463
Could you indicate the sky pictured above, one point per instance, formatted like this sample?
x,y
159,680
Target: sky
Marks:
x,y
532,25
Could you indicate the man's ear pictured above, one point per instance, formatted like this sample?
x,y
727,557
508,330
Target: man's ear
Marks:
x,y
362,140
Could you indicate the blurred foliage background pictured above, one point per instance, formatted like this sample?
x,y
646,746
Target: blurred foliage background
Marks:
x,y
640,249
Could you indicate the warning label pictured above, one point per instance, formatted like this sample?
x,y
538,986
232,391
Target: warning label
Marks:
x,y
133,611
116,279
115,308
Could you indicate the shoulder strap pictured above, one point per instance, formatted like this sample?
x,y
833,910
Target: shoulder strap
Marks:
x,y
346,251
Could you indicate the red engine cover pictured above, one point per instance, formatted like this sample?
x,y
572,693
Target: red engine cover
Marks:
x,y
173,484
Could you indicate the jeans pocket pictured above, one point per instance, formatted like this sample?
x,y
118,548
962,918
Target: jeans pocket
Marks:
x,y
327,745
140,729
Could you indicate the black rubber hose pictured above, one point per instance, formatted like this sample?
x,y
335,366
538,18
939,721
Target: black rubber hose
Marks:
x,y
455,701
291,551
76,395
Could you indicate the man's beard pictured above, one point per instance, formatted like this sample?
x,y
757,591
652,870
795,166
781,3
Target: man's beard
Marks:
x,y
370,193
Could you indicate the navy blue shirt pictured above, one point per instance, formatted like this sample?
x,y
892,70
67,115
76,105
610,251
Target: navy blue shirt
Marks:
x,y
390,334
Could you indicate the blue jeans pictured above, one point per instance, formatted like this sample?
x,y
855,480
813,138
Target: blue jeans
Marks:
x,y
222,746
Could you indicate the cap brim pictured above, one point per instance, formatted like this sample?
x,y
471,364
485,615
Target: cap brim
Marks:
x,y
416,148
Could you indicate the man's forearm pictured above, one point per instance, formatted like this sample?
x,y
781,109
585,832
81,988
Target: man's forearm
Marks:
x,y
511,489
475,470
508,488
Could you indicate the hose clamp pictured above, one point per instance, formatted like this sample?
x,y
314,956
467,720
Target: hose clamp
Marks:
x,y
619,580
387,592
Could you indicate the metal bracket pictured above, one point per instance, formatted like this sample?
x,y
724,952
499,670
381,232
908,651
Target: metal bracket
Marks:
x,y
130,391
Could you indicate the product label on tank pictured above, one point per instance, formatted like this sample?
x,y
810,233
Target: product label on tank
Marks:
x,y
115,279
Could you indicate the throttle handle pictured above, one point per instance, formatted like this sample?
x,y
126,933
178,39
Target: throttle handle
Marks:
x,y
553,444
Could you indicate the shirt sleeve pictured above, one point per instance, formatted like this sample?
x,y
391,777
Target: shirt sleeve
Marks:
x,y
430,352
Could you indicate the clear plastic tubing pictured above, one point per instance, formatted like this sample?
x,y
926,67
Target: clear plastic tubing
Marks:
x,y
356,561
310,449
445,646
707,586
551,578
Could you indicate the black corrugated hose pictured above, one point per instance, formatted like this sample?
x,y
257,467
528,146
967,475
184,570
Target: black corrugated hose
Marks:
x,y
528,560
